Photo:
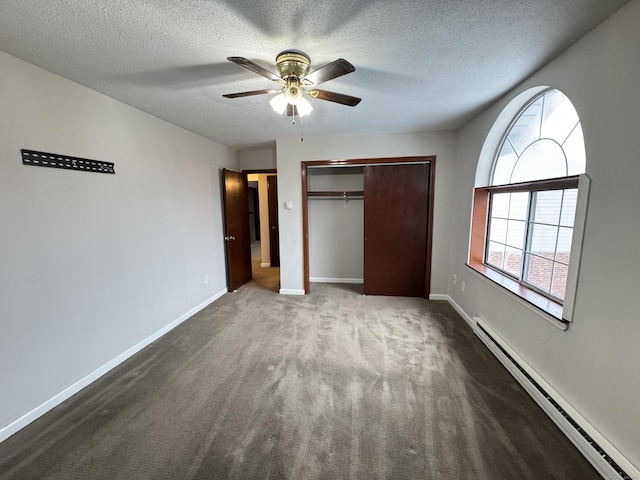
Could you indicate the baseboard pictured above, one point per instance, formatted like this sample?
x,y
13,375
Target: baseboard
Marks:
x,y
57,399
265,265
439,296
605,458
470,321
291,291
335,280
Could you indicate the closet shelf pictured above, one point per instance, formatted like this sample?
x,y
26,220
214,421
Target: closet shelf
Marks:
x,y
350,194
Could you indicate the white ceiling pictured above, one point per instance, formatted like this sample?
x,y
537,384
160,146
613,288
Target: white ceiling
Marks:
x,y
420,64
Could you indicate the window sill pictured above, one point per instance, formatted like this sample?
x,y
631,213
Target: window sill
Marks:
x,y
548,309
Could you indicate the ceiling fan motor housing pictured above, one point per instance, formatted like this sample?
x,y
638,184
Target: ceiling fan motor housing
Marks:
x,y
292,67
292,64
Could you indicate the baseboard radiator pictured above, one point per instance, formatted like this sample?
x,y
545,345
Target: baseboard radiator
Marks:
x,y
591,444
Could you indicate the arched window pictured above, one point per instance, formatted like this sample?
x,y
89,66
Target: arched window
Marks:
x,y
526,215
544,141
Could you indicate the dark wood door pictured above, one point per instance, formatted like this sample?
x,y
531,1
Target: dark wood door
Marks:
x,y
274,231
396,212
236,228
254,214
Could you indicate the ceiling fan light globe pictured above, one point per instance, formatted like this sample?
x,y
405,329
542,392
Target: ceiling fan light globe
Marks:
x,y
304,107
279,103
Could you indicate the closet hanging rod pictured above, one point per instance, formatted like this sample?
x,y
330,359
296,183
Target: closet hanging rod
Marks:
x,y
339,195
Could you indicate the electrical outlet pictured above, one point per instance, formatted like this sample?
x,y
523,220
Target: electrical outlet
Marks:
x,y
462,285
206,279
455,279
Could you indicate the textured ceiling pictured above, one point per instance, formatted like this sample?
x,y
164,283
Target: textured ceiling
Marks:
x,y
420,64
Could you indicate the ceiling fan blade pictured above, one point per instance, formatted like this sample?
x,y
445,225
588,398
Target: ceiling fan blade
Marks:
x,y
254,67
330,71
249,94
335,97
292,110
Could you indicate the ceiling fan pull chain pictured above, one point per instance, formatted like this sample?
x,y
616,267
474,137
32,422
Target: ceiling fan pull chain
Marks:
x,y
301,130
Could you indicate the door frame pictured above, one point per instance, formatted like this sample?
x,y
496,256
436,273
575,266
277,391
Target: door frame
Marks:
x,y
265,171
364,162
259,171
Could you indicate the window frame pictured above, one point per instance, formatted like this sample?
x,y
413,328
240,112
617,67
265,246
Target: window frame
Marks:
x,y
559,314
514,120
547,185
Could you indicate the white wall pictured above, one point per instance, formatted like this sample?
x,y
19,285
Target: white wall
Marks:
x,y
264,159
92,263
291,152
595,364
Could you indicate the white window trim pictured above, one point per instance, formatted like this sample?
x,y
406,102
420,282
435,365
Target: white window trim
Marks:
x,y
577,240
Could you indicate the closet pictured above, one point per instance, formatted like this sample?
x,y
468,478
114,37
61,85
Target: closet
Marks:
x,y
369,222
336,224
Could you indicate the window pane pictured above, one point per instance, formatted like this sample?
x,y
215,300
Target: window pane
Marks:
x,y
539,272
500,205
574,150
498,230
543,240
547,207
559,282
519,205
515,234
545,141
563,251
526,129
542,159
503,168
513,261
495,255
559,117
569,207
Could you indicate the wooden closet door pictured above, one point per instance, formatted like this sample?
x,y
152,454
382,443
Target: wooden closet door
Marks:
x,y
396,211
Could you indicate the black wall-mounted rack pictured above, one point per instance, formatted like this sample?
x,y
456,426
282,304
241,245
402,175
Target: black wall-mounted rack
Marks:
x,y
54,160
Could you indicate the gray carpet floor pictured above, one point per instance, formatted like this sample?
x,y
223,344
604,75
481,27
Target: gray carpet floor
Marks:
x,y
332,385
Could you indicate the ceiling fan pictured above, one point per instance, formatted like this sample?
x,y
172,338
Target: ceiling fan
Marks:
x,y
296,82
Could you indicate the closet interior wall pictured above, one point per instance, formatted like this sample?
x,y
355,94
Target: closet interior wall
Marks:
x,y
336,224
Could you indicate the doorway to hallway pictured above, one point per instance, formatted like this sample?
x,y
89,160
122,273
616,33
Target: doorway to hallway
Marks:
x,y
267,277
263,208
